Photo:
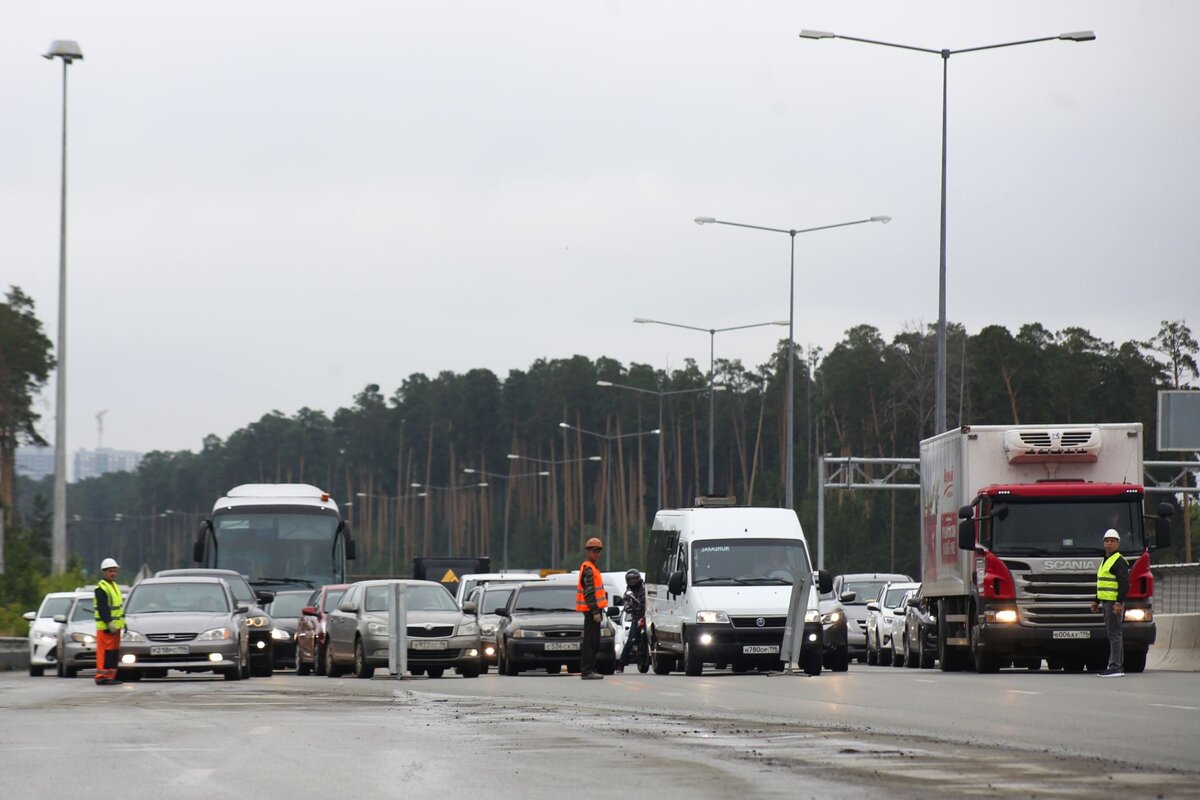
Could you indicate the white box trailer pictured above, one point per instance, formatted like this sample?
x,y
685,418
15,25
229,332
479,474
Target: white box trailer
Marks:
x,y
1012,523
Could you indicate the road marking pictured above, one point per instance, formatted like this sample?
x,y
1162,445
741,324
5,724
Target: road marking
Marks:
x,y
1018,691
1181,708
671,694
924,680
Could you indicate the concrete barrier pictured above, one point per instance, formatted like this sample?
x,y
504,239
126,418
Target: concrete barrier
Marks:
x,y
1177,646
14,653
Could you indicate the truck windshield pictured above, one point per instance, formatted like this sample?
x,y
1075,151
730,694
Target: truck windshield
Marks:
x,y
748,562
1060,527
271,546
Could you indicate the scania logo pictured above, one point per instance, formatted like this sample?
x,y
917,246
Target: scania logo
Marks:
x,y
760,622
1071,564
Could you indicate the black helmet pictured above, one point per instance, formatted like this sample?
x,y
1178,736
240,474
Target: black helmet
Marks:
x,y
633,577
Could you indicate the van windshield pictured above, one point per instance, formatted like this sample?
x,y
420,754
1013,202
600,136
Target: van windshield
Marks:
x,y
748,562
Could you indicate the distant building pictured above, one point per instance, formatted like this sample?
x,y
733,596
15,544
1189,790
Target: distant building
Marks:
x,y
35,462
93,463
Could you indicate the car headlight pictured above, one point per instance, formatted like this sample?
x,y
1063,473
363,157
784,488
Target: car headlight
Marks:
x,y
280,635
468,628
490,630
525,633
377,629
831,618
132,636
214,635
712,617
812,615
47,637
83,638
258,622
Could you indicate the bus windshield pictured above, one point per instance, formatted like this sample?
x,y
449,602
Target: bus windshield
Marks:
x,y
1061,527
279,548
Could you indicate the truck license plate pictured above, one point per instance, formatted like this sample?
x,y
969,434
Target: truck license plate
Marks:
x,y
428,644
1071,635
169,650
559,646
760,649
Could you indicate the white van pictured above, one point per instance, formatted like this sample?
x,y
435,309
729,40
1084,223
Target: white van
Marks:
x,y
718,585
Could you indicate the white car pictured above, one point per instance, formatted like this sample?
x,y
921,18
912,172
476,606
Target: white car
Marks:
x,y
467,583
43,631
900,630
885,616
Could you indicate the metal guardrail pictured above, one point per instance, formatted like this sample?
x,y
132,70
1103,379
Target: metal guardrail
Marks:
x,y
14,653
1176,588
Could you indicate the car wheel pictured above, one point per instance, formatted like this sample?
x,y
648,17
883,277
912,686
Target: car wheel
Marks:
x,y
470,671
264,667
361,668
234,673
840,661
129,676
509,667
318,659
332,670
36,672
435,672
740,668
692,665
554,669
302,666
911,659
811,662
70,672
872,653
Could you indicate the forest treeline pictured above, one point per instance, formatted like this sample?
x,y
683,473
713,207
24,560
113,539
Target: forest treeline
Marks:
x,y
398,462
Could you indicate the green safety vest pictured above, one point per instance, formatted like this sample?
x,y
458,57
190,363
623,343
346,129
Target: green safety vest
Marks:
x,y
116,605
1106,582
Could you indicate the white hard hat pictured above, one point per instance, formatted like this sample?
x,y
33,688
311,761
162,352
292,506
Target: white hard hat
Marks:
x,y
1112,534
109,563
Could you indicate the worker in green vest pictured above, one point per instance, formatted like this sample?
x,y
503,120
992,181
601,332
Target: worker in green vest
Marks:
x,y
1112,584
110,620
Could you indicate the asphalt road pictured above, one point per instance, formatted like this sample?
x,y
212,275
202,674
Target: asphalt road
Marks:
x,y
905,732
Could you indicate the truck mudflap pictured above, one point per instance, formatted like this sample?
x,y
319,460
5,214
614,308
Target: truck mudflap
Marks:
x,y
1020,640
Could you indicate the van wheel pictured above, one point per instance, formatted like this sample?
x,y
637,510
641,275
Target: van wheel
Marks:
x,y
692,665
658,662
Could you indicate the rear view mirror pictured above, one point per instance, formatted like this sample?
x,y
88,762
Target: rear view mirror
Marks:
x,y
242,610
503,612
914,601
848,597
309,611
824,582
61,619
1162,532
351,550
469,607
29,615
264,596
966,512
873,606
966,534
614,612
675,582
618,600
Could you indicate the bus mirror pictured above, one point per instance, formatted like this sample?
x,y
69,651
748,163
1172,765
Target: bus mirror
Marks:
x,y
966,535
1162,531
1166,510
198,551
824,582
351,551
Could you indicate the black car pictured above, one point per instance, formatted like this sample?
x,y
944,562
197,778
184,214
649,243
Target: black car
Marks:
x,y
920,632
834,632
540,629
285,611
263,633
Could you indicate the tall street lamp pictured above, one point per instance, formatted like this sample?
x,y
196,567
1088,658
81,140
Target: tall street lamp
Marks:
x,y
660,394
507,498
391,538
939,402
69,52
552,463
608,439
453,509
789,499
712,374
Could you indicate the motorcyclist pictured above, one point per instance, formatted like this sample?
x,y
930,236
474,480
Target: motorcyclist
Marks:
x,y
635,611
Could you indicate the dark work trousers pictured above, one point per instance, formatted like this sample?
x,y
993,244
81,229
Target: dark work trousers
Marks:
x,y
1112,626
591,645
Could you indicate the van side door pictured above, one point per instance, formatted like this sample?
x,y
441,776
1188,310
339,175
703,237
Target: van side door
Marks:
x,y
660,552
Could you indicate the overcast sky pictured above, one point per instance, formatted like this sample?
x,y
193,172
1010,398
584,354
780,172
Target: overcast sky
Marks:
x,y
272,204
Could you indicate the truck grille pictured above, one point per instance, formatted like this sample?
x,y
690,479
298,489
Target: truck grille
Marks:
x,y
1056,599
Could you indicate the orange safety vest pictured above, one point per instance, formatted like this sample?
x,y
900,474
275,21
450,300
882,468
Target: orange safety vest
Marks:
x,y
597,582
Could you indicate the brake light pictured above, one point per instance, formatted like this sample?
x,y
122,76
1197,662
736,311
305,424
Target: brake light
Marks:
x,y
1141,580
996,583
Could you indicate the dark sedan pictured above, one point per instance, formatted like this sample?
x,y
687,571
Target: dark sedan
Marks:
x,y
310,632
834,632
262,631
540,629
285,611
920,632
192,624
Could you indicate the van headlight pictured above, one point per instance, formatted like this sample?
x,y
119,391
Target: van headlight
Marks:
x,y
216,634
812,615
712,618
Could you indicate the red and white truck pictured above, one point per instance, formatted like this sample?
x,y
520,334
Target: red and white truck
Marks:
x,y
1013,518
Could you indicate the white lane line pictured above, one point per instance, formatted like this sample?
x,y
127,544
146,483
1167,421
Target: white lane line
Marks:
x,y
672,694
924,680
1018,691
1181,708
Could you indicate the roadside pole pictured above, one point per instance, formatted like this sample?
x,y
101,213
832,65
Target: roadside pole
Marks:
x,y
793,632
398,641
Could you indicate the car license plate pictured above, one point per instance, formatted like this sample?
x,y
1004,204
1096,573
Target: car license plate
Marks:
x,y
1071,635
560,646
170,650
428,644
760,649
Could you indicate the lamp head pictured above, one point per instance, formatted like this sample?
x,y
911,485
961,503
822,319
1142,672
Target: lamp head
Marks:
x,y
642,320
807,34
65,49
513,456
884,220
416,485
468,470
595,458
563,425
360,494
656,432
1078,36
544,472
719,387
781,322
705,220
604,383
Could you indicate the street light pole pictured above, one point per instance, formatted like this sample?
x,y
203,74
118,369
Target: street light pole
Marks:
x,y
789,492
69,52
552,463
453,510
939,401
507,497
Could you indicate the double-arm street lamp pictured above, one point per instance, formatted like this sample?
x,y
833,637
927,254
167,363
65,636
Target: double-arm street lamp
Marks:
x,y
608,439
789,499
551,464
69,52
508,479
939,408
660,395
388,499
453,510
712,374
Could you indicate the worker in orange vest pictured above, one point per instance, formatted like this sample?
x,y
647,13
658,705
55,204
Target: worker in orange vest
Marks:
x,y
591,600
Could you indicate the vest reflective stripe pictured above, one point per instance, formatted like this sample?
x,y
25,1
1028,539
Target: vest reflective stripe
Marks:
x,y
116,607
1106,582
597,583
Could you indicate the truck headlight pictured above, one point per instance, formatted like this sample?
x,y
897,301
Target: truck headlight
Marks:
x,y
377,629
216,634
280,635
1006,616
1138,615
132,636
712,618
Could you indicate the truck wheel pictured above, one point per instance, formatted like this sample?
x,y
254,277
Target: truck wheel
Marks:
x,y
692,665
1135,660
949,658
985,662
554,669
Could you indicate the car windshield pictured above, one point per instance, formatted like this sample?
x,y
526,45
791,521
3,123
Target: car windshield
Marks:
x,y
1062,528
545,598
495,599
161,597
53,606
417,598
83,611
864,591
332,596
288,604
894,596
741,562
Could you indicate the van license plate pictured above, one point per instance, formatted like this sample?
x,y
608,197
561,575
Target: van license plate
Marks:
x,y
170,650
428,644
1071,635
760,649
562,646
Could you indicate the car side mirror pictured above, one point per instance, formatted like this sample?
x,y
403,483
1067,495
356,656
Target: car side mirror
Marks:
x,y
913,602
613,612
675,582
469,607
966,534
264,595
848,597
824,582
309,611
61,619
503,612
30,616
242,610
618,600
872,606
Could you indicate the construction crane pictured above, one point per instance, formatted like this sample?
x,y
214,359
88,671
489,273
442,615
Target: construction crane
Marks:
x,y
100,429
